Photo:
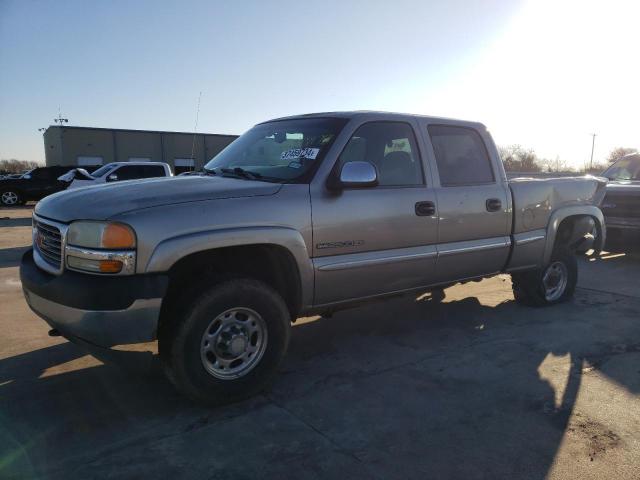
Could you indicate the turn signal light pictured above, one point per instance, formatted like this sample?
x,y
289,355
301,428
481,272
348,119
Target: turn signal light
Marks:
x,y
110,266
117,236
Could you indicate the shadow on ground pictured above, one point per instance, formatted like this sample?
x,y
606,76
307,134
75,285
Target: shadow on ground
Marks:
x,y
10,257
14,222
401,389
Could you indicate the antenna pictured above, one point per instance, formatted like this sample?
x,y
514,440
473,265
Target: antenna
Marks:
x,y
195,128
60,120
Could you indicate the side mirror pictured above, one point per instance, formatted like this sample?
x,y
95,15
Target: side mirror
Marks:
x,y
26,176
358,175
112,178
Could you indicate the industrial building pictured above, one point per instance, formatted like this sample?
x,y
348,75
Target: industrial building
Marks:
x,y
91,147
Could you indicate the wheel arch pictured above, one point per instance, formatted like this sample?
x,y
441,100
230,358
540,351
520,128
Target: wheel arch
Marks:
x,y
17,191
568,223
277,256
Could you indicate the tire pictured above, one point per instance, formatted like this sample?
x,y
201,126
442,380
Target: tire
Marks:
x,y
531,289
10,198
438,295
239,320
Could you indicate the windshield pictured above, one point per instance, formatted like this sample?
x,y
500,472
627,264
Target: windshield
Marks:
x,y
278,151
627,168
102,170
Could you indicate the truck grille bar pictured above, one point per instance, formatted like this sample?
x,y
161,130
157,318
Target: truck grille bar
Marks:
x,y
48,241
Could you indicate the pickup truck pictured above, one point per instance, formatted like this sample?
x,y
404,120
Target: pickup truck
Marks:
x,y
301,215
115,172
621,204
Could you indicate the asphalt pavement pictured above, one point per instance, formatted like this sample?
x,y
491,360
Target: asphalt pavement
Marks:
x,y
475,387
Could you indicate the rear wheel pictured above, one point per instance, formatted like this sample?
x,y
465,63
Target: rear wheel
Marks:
x,y
10,198
550,285
228,343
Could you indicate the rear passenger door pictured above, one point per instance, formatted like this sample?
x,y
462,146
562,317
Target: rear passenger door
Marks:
x,y
473,203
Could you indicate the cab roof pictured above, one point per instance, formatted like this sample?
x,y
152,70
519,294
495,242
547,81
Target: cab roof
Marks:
x,y
378,115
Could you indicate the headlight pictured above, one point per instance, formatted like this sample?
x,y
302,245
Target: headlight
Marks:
x,y
104,235
101,247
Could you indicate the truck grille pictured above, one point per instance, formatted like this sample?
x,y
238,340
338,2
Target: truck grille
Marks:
x,y
48,241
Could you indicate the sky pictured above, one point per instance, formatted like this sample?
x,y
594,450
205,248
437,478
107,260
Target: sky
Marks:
x,y
543,74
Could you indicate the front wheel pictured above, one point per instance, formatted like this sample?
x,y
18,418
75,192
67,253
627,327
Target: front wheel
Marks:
x,y
552,284
228,344
10,198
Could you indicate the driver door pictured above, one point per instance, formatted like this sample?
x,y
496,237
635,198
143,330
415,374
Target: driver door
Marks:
x,y
376,240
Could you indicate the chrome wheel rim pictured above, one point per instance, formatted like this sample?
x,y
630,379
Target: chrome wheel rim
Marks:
x,y
555,281
233,343
9,198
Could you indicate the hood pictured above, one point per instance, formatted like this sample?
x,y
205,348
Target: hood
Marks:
x,y
100,202
71,174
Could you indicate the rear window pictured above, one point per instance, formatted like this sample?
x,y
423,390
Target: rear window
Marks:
x,y
461,156
132,172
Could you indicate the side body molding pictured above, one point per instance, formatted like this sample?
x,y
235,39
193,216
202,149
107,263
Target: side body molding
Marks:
x,y
169,251
559,215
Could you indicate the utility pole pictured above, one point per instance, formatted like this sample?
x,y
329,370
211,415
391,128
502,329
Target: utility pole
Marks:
x,y
60,121
593,143
195,129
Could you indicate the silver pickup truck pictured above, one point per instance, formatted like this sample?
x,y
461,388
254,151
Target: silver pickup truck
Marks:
x,y
300,215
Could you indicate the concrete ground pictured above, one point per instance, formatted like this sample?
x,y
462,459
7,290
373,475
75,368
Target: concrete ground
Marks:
x,y
475,387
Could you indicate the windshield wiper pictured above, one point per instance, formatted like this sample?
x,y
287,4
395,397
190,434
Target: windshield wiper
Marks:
x,y
242,173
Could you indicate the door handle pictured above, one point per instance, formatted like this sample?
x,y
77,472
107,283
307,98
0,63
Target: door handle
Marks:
x,y
493,205
425,209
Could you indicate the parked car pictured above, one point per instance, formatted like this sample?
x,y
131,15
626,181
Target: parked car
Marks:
x,y
621,205
115,172
33,185
300,215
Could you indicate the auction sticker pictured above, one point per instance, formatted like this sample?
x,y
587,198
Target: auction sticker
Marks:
x,y
294,153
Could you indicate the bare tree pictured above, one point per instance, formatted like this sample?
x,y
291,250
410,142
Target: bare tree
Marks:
x,y
17,166
555,164
619,152
519,159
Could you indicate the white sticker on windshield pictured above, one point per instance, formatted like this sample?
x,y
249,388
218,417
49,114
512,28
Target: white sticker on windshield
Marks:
x,y
310,153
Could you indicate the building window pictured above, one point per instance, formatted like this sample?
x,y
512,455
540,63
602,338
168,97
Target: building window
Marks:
x,y
181,165
139,159
83,161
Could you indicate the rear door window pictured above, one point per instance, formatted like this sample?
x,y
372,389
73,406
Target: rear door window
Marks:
x,y
129,172
461,156
150,171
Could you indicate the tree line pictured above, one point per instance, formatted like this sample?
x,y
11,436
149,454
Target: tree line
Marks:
x,y
516,158
16,166
519,159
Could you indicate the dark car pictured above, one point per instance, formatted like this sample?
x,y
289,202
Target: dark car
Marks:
x,y
621,205
33,185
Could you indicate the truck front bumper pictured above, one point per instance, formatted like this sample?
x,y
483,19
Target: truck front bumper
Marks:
x,y
103,311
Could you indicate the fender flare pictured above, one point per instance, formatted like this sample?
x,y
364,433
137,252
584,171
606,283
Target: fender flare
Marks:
x,y
565,212
173,249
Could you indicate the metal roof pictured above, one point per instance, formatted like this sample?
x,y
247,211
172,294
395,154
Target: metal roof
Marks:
x,y
128,130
